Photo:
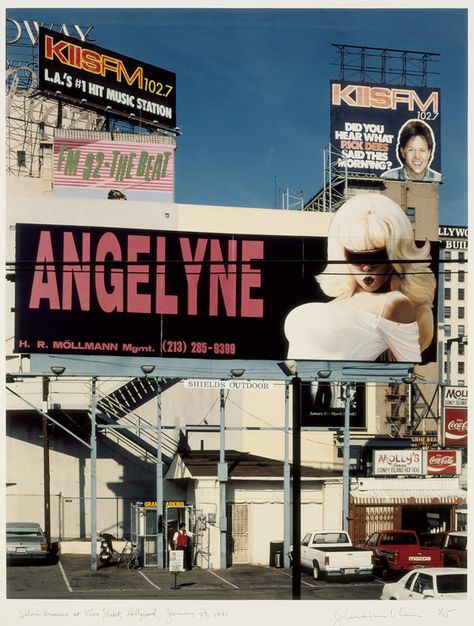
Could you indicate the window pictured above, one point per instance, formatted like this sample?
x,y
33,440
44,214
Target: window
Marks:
x,y
447,275
461,275
461,330
461,293
21,158
447,255
447,312
447,330
447,293
461,312
411,213
461,349
461,256
452,583
423,582
461,367
410,580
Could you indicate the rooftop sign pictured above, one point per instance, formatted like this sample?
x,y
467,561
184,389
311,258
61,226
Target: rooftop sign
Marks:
x,y
105,81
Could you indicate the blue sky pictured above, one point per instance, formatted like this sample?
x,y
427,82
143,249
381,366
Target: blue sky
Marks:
x,y
253,89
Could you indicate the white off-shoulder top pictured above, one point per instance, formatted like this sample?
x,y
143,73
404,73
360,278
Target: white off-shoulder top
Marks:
x,y
340,332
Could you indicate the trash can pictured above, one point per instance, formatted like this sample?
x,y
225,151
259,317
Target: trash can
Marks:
x,y
278,559
275,546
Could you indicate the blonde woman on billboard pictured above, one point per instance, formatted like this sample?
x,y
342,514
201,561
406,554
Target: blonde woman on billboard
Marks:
x,y
383,293
415,151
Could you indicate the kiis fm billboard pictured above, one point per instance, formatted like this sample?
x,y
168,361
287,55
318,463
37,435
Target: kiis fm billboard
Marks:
x,y
106,81
95,290
94,168
387,131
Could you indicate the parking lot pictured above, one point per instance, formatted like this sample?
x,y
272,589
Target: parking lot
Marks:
x,y
73,579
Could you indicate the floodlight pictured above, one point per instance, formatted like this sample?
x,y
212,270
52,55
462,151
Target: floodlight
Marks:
x,y
57,369
289,368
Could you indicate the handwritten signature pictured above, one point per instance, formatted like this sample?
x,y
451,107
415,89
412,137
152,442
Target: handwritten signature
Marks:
x,y
375,616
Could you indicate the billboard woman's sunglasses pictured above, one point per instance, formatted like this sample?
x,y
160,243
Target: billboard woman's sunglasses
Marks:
x,y
366,257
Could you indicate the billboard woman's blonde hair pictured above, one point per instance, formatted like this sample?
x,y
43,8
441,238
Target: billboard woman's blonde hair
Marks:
x,y
371,220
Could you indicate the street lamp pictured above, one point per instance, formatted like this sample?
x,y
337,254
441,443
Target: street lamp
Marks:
x,y
461,339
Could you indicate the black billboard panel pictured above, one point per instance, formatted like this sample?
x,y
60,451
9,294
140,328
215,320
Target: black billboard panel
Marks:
x,y
106,81
117,291
387,131
323,405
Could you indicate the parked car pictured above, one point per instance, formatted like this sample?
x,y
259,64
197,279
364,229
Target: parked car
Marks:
x,y
434,583
26,540
455,549
398,551
453,544
331,553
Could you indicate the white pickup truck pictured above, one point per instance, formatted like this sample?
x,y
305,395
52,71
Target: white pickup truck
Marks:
x,y
331,553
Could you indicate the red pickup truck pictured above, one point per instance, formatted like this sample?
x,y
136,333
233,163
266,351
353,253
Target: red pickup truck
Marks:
x,y
398,551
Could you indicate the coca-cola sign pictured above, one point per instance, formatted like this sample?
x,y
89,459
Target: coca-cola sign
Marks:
x,y
455,426
442,462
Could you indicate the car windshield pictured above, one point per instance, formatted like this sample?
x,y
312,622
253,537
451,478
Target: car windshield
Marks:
x,y
452,583
16,532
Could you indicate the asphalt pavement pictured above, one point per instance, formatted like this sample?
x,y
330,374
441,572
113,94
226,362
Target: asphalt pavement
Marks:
x,y
72,578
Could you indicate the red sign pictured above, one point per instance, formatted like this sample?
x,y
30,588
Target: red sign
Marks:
x,y
455,427
441,462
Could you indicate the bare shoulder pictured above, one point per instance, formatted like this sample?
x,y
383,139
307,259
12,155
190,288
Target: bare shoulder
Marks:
x,y
400,309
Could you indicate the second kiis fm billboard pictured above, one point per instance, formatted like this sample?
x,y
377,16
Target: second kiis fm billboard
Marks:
x,y
387,131
116,291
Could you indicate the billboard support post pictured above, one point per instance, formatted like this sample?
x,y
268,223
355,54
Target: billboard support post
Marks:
x,y
286,482
159,482
296,483
93,475
47,492
348,397
222,475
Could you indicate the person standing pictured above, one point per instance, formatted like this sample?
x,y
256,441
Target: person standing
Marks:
x,y
182,540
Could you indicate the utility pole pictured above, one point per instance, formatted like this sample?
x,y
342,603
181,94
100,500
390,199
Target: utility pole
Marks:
x,y
348,396
46,479
296,489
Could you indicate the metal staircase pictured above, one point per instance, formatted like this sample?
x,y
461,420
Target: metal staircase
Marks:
x,y
119,408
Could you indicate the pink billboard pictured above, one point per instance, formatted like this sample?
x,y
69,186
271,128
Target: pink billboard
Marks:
x,y
113,169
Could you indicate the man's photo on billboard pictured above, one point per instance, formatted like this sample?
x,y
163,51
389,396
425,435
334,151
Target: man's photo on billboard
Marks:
x,y
415,152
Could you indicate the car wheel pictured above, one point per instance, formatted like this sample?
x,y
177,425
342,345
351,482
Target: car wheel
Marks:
x,y
316,571
385,571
